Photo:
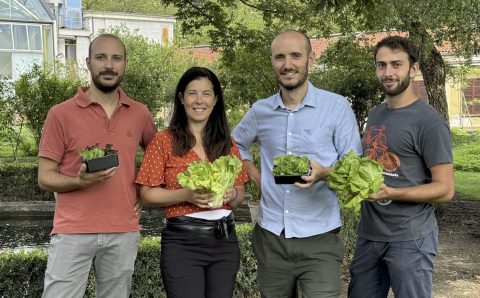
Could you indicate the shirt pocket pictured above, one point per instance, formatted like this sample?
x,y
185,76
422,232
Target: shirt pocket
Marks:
x,y
317,140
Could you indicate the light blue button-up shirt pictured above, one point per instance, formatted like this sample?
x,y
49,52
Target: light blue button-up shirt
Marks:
x,y
323,127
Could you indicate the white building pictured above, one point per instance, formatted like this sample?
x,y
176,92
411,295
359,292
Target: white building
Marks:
x,y
41,30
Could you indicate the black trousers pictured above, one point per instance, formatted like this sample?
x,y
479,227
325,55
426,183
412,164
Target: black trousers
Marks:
x,y
198,267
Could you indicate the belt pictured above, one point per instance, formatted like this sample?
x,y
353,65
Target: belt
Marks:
x,y
218,229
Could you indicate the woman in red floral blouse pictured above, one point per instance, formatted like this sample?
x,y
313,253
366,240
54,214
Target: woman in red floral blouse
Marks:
x,y
200,256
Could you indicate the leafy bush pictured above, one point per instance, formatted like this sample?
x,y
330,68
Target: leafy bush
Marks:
x,y
466,149
346,69
463,137
466,158
40,89
18,182
350,220
246,283
23,272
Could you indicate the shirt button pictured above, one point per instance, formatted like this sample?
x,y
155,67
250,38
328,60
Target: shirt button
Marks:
x,y
289,133
291,114
286,211
288,190
289,153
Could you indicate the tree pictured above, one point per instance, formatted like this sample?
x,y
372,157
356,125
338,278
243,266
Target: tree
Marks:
x,y
10,125
39,89
153,70
430,23
130,6
346,69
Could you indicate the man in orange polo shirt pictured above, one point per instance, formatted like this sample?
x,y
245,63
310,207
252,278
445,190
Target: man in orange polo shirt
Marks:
x,y
96,214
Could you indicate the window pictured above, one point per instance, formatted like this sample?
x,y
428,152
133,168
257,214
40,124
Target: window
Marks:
x,y
20,40
6,64
34,38
71,50
472,96
6,36
21,45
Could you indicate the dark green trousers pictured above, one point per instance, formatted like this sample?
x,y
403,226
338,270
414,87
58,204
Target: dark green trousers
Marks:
x,y
314,262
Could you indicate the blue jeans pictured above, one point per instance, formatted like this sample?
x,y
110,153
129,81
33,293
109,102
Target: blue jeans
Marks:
x,y
406,266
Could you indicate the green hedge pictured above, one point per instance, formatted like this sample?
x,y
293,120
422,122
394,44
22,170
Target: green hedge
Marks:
x,y
18,182
467,158
466,150
22,272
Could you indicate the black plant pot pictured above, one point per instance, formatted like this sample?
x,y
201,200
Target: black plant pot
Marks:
x,y
290,179
101,163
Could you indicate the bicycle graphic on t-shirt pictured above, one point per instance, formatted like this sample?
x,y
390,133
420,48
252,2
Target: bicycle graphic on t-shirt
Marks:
x,y
376,141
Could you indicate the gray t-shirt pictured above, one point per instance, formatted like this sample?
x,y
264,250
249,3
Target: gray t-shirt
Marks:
x,y
408,141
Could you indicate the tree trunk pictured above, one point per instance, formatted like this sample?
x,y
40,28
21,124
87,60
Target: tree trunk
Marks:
x,y
434,77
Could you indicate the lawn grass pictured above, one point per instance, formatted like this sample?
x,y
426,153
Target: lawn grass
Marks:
x,y
467,184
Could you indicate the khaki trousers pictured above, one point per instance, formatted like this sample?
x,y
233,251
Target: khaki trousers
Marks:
x,y
70,257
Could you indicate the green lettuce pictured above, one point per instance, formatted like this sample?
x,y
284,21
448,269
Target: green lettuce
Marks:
x,y
215,177
355,178
291,165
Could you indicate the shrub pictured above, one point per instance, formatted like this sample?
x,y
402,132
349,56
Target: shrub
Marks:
x,y
18,182
466,158
23,272
462,137
246,284
466,149
41,88
350,220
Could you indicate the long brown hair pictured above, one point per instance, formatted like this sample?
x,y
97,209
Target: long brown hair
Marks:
x,y
216,134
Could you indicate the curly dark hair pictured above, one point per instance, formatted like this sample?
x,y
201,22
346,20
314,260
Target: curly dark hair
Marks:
x,y
402,43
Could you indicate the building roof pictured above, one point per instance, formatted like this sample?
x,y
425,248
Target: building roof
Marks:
x,y
319,45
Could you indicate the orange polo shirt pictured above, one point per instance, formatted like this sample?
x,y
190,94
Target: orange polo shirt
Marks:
x,y
108,206
160,168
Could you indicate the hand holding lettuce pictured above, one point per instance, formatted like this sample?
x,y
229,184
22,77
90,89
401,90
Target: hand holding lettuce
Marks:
x,y
355,177
215,177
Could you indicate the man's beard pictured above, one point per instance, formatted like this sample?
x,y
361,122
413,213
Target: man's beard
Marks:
x,y
403,84
106,88
290,87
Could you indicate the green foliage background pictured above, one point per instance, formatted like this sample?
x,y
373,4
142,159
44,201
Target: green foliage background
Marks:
x,y
40,89
466,151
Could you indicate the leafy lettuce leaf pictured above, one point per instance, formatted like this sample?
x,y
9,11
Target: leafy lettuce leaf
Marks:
x,y
215,177
355,178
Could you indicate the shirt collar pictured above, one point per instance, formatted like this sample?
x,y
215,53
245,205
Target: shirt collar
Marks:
x,y
82,99
308,100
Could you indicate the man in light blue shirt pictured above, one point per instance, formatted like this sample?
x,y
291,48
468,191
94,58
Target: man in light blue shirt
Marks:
x,y
296,235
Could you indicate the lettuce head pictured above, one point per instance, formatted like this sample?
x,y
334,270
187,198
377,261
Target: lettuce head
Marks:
x,y
355,178
215,177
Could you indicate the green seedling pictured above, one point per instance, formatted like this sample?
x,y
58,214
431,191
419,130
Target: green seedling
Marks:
x,y
290,165
95,151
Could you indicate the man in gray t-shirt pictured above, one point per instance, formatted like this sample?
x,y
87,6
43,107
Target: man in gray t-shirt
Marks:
x,y
397,235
